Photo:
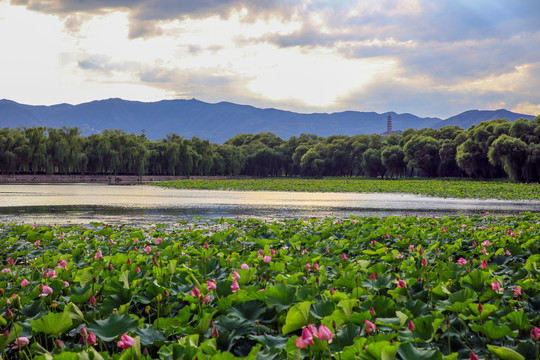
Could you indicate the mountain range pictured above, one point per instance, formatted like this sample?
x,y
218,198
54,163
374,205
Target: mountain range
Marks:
x,y
221,121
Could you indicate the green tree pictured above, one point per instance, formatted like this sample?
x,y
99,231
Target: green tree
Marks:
x,y
511,153
393,159
372,163
422,154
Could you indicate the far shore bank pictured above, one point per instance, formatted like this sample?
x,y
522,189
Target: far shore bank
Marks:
x,y
93,179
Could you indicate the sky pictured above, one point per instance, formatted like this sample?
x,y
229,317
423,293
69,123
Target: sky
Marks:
x,y
426,57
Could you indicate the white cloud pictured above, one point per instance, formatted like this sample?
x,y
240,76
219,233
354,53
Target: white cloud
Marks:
x,y
429,58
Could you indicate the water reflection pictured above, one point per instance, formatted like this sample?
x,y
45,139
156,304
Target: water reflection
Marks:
x,y
84,203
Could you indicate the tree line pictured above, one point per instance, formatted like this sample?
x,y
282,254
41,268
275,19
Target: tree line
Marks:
x,y
491,149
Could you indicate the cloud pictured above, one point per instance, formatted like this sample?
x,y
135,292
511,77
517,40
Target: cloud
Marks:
x,y
147,16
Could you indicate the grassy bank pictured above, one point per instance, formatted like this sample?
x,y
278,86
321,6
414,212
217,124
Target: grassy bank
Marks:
x,y
429,187
392,288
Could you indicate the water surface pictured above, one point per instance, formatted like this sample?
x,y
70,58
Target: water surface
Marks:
x,y
118,204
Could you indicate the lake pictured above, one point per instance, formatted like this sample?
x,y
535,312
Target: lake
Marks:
x,y
136,205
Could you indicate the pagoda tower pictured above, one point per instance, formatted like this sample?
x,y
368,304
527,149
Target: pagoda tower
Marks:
x,y
389,124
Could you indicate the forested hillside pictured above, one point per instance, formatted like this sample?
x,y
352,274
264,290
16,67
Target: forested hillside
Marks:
x,y
491,149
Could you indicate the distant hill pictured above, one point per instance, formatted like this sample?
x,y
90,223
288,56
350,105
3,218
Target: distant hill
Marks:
x,y
474,117
218,122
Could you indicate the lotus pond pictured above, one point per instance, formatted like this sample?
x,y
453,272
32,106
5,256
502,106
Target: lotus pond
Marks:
x,y
361,288
445,188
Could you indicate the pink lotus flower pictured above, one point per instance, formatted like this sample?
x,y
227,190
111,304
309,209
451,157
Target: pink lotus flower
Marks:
x,y
215,333
496,286
99,255
370,327
46,291
21,342
244,266
66,284
486,243
424,262
126,342
235,275
517,290
344,257
6,271
129,262
399,237
411,326
506,252
443,230
474,243
324,334
399,256
147,249
461,261
91,339
316,267
62,264
37,243
306,339
480,307
261,253
473,356
157,242
535,333
267,259
24,283
272,252
211,285
136,240
387,235
204,299
484,264
308,268
401,284
372,311
84,332
92,300
206,246
138,269
234,286
411,247
373,276
195,292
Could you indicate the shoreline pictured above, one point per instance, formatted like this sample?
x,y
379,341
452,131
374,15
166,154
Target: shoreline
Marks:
x,y
95,179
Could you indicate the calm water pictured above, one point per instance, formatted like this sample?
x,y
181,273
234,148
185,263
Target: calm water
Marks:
x,y
84,203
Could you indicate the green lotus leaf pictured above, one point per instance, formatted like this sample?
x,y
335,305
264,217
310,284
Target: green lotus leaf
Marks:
x,y
408,351
150,335
505,353
52,323
112,327
280,296
297,317
383,350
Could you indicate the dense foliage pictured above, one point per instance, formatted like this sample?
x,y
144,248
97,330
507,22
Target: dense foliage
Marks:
x,y
446,188
492,149
364,288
